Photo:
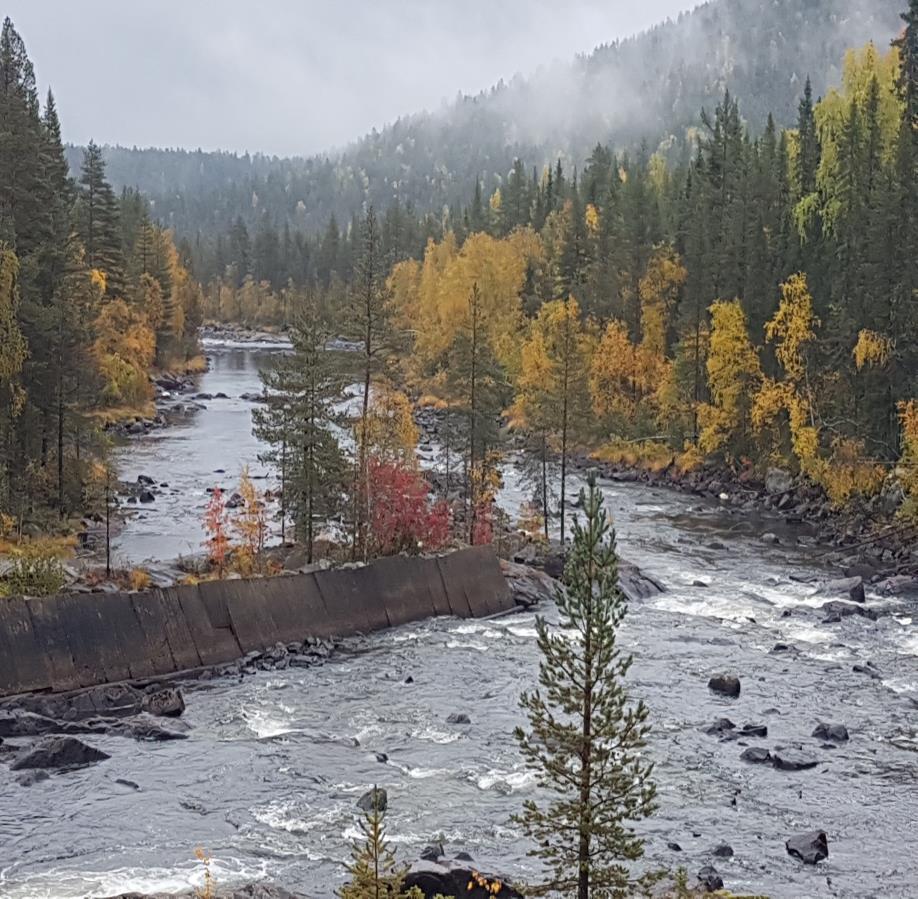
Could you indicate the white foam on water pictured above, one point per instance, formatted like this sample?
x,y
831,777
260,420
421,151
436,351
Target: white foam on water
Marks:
x,y
426,773
295,817
471,644
901,684
266,723
523,632
432,735
367,731
63,884
506,781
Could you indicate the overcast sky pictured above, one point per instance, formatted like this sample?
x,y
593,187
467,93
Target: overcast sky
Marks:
x,y
292,76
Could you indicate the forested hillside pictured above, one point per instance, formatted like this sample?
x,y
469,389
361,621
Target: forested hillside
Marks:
x,y
92,295
647,88
753,305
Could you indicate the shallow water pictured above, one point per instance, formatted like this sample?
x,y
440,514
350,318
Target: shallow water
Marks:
x,y
275,763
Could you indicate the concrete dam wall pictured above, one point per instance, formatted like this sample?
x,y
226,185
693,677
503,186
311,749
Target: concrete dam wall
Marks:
x,y
71,641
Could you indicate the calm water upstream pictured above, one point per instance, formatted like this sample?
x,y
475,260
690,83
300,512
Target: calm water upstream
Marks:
x,y
269,777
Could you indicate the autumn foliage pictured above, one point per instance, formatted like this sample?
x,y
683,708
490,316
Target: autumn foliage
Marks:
x,y
402,517
216,526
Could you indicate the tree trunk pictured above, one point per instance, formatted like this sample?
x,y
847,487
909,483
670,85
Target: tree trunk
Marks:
x,y
583,852
473,414
545,510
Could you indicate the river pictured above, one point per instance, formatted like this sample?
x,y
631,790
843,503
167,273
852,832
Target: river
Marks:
x,y
274,763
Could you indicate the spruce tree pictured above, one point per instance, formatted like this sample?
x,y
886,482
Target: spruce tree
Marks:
x,y
585,741
299,421
100,222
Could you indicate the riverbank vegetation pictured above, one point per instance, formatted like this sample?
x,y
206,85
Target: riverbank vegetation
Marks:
x,y
93,296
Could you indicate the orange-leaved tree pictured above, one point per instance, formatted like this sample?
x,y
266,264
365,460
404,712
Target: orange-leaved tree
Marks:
x,y
250,526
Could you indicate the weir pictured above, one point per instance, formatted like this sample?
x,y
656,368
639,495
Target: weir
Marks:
x,y
72,641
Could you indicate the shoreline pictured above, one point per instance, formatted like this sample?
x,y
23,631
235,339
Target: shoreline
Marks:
x,y
878,548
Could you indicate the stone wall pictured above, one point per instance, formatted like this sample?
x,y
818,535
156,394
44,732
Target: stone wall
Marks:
x,y
81,640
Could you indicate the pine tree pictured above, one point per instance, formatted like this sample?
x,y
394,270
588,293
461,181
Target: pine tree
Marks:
x,y
476,380
368,319
586,742
375,874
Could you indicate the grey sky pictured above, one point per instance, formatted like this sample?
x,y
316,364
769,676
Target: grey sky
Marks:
x,y
292,76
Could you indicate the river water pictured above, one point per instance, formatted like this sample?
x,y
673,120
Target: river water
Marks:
x,y
274,763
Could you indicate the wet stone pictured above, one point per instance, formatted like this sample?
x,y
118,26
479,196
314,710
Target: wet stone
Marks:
x,y
810,848
725,684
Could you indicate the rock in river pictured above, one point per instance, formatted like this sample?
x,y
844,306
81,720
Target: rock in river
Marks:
x,y
710,879
377,796
839,608
726,684
756,755
836,732
809,847
167,703
850,587
793,760
458,718
59,752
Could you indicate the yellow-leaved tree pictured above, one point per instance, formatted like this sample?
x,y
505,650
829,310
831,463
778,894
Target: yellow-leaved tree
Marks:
x,y
908,461
552,390
624,382
124,349
391,434
659,290
734,376
792,330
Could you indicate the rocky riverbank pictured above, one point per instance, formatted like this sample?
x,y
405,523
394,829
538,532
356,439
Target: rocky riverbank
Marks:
x,y
865,541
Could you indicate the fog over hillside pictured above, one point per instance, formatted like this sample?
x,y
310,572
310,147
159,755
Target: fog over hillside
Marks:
x,y
648,88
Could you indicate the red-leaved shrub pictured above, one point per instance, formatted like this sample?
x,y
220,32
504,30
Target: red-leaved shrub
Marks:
x,y
401,515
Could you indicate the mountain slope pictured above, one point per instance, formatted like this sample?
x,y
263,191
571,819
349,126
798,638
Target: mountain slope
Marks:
x,y
645,88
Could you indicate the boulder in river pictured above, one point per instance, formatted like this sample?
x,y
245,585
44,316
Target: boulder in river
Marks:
x,y
793,760
377,797
867,669
167,703
838,733
756,755
722,850
837,609
720,727
850,587
59,752
725,684
752,730
809,847
458,718
710,879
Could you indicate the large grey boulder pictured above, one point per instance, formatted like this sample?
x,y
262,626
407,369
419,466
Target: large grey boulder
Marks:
x,y
810,848
59,752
